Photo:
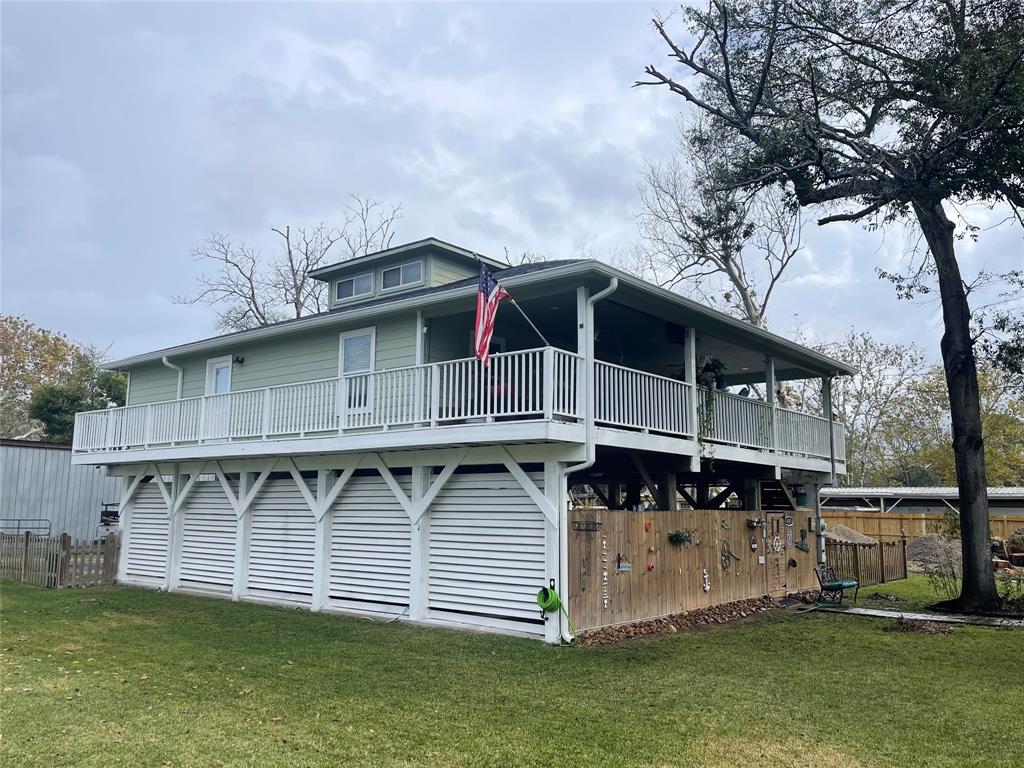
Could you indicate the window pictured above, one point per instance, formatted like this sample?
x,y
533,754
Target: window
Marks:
x,y
357,351
406,274
218,376
352,287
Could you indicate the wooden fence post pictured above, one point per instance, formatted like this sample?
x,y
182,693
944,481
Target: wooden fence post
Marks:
x,y
64,552
881,561
856,561
24,557
903,546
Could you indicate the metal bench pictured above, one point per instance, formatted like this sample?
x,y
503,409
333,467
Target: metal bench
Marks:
x,y
832,587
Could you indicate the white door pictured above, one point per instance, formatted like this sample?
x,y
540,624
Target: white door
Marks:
x,y
217,406
355,357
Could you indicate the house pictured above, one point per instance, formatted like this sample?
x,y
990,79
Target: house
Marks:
x,y
41,492
362,459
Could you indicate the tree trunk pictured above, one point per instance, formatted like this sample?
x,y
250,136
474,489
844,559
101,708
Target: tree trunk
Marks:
x,y
978,589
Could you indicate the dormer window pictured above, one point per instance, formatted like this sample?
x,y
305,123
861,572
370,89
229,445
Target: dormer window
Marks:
x,y
401,276
354,287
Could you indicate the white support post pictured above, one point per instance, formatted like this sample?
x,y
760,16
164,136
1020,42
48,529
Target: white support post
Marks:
x,y
267,394
124,517
582,294
769,385
690,374
174,532
342,404
554,481
549,383
321,543
243,522
435,394
419,566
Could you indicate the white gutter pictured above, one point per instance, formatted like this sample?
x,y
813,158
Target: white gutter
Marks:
x,y
173,367
591,444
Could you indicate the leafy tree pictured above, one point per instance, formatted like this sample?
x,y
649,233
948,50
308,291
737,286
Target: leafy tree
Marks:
x,y
886,111
250,290
35,359
55,407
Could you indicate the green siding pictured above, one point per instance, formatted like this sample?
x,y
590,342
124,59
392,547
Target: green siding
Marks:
x,y
286,360
152,383
445,269
449,338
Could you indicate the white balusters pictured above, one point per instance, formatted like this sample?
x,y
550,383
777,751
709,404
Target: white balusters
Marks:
x,y
630,398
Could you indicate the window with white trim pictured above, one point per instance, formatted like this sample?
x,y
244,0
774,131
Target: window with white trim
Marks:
x,y
354,287
402,275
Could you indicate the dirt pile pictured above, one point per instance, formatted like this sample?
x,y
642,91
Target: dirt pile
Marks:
x,y
933,549
847,535
919,627
679,622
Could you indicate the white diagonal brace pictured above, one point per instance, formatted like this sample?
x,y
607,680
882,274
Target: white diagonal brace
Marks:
x,y
232,497
246,499
378,463
421,505
168,501
187,489
324,502
303,488
130,490
542,501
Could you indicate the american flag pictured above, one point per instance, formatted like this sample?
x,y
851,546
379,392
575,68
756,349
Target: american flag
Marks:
x,y
488,295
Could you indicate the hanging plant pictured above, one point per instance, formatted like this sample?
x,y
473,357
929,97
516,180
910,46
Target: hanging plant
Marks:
x,y
682,536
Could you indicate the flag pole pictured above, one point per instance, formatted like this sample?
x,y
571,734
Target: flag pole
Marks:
x,y
529,321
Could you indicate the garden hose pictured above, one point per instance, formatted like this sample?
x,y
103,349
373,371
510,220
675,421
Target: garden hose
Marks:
x,y
550,602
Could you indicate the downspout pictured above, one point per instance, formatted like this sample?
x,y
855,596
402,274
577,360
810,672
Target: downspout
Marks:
x,y
591,444
179,369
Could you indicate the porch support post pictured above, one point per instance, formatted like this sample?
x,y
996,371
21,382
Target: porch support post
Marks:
x,y
690,374
826,401
582,348
418,563
769,385
554,481
667,495
243,524
321,543
174,531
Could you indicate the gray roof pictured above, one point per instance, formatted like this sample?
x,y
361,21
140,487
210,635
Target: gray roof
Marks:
x,y
510,277
910,492
410,248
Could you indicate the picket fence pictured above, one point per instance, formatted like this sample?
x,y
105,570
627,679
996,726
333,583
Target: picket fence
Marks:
x,y
868,563
59,561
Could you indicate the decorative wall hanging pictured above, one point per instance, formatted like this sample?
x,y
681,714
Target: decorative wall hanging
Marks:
x,y
728,555
706,583
682,536
753,543
622,565
776,544
754,522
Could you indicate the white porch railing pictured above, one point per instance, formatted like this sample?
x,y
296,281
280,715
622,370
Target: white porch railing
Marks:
x,y
544,383
630,398
535,383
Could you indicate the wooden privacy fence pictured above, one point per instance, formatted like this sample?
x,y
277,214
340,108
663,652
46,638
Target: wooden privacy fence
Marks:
x,y
892,526
868,563
623,567
59,561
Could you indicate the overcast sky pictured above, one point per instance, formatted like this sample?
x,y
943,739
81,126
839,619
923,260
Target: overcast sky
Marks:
x,y
133,131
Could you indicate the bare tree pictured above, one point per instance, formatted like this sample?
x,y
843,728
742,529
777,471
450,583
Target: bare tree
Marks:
x,y
724,247
890,111
250,290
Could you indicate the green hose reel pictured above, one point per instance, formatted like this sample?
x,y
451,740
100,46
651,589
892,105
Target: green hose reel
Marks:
x,y
550,602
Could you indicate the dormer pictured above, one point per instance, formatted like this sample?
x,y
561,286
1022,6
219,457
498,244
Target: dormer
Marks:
x,y
423,264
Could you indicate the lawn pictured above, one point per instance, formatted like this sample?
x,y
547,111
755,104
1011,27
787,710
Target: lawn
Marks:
x,y
126,677
915,594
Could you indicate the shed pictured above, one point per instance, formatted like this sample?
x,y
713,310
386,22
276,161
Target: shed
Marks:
x,y
42,492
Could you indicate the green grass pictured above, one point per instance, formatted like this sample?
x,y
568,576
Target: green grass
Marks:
x,y
140,678
915,592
